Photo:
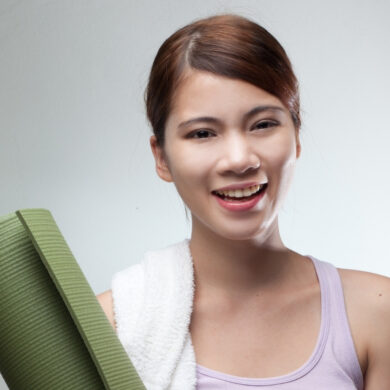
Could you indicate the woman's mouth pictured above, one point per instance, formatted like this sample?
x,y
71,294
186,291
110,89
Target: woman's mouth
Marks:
x,y
242,193
240,199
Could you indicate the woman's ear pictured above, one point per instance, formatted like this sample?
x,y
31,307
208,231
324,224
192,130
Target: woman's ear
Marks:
x,y
298,145
162,167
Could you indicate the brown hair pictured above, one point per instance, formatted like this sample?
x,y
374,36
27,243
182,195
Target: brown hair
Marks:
x,y
227,45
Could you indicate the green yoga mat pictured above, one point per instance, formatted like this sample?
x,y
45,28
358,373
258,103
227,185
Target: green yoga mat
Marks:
x,y
53,333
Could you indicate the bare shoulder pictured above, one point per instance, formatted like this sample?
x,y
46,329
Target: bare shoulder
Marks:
x,y
367,290
105,300
369,279
367,299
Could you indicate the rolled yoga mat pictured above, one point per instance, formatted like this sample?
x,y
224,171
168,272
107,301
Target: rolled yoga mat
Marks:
x,y
53,333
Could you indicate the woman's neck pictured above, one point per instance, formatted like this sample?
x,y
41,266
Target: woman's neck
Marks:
x,y
237,268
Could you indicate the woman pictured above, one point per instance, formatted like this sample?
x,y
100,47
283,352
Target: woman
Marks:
x,y
223,103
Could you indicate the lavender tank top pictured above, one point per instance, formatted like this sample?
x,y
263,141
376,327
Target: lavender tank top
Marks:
x,y
333,364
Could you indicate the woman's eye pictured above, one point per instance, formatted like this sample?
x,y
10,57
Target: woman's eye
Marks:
x,y
201,134
265,124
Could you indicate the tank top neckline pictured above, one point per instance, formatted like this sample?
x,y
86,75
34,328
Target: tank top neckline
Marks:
x,y
313,359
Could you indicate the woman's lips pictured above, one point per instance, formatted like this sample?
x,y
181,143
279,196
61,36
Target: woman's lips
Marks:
x,y
241,205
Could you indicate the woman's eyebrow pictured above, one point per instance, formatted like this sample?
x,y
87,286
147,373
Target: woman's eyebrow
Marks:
x,y
213,120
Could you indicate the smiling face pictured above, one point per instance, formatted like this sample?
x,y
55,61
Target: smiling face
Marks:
x,y
224,132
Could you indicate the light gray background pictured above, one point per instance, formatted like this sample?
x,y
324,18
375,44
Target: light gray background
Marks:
x,y
74,138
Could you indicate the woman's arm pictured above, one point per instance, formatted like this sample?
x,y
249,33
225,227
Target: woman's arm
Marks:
x,y
378,370
105,300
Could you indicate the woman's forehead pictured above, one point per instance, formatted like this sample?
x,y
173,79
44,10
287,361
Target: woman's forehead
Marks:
x,y
207,94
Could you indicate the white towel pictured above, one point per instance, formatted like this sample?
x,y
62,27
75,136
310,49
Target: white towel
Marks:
x,y
153,302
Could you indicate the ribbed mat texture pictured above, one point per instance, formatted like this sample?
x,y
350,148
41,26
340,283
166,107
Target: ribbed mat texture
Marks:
x,y
53,333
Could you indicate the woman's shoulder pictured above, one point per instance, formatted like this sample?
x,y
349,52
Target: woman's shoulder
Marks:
x,y
366,288
151,270
105,300
367,300
367,294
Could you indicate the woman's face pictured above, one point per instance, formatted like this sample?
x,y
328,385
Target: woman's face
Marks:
x,y
223,132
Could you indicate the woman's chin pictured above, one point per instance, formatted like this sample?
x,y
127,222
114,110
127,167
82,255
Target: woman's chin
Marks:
x,y
246,229
241,233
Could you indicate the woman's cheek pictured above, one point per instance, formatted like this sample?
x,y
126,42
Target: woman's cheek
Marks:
x,y
280,152
279,165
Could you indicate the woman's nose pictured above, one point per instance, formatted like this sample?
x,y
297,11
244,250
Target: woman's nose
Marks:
x,y
238,156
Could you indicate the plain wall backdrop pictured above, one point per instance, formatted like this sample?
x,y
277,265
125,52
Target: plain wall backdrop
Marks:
x,y
74,136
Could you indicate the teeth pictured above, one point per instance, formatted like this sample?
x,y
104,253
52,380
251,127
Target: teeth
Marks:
x,y
240,193
246,191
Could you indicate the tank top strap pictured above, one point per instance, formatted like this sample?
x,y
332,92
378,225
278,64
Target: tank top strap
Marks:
x,y
340,347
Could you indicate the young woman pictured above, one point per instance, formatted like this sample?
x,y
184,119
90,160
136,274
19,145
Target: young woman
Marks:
x,y
223,103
